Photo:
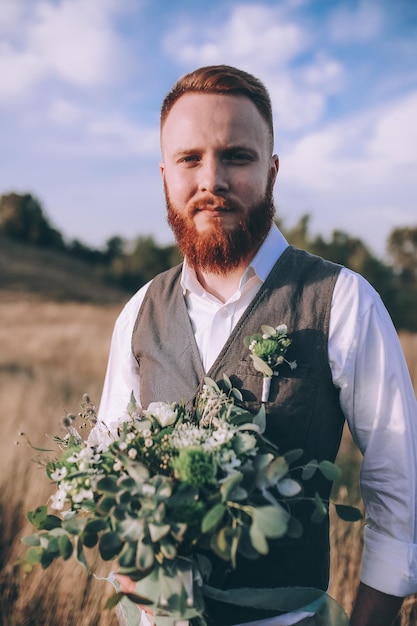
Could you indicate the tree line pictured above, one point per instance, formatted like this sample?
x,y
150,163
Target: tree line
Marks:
x,y
129,264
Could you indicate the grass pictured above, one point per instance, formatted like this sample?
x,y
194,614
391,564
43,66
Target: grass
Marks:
x,y
50,354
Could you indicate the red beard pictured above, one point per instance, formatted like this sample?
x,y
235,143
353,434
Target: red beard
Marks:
x,y
217,250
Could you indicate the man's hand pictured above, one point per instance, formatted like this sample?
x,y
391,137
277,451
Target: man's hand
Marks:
x,y
127,585
374,608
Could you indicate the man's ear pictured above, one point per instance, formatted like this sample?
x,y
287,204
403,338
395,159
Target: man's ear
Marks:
x,y
162,169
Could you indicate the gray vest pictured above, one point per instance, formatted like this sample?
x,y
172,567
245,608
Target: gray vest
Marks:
x,y
303,409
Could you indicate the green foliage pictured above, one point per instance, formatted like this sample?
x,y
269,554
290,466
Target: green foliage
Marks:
x,y
396,284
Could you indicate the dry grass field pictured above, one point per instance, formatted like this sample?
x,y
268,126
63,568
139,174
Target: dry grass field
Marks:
x,y
50,354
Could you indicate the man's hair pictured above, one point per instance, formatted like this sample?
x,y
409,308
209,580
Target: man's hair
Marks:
x,y
222,79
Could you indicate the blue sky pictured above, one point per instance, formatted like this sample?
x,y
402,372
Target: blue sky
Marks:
x,y
81,83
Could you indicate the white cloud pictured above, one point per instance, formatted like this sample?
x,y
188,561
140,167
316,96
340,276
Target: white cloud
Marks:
x,y
356,23
267,41
73,41
361,170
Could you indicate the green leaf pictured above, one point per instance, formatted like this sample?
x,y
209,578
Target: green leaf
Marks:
x,y
37,516
261,366
309,470
220,543
127,556
272,521
65,547
31,540
293,455
106,504
229,484
34,555
227,382
110,545
258,539
320,510
89,540
74,525
114,600
131,528
96,525
277,469
330,470
144,556
157,531
107,484
348,513
50,522
237,394
260,419
288,487
212,518
268,330
168,548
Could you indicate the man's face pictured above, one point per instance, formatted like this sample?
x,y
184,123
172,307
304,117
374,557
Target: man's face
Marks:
x,y
218,177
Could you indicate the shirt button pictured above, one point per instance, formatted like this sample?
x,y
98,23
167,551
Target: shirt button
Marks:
x,y
224,312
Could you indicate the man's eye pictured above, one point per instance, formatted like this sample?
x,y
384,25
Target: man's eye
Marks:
x,y
192,158
238,157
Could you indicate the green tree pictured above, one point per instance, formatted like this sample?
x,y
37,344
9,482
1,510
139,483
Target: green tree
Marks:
x,y
22,218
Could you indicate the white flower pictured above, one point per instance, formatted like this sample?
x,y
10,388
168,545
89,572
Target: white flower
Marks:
x,y
83,494
282,329
59,473
117,466
132,453
58,500
162,412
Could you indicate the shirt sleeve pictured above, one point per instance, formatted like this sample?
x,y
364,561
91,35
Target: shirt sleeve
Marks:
x,y
379,403
122,374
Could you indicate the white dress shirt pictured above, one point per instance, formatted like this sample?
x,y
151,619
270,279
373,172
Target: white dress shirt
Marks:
x,y
376,397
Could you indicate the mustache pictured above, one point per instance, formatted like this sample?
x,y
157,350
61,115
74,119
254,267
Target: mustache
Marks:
x,y
215,203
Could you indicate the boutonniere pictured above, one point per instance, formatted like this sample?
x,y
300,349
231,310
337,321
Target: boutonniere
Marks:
x,y
268,350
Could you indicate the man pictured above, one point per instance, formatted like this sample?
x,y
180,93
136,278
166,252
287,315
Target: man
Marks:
x,y
218,170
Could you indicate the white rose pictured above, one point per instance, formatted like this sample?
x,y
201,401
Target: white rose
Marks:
x,y
162,412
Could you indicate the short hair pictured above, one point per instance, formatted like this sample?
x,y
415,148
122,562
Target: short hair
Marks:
x,y
222,79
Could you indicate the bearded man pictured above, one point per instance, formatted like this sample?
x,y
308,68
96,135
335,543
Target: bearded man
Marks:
x,y
219,170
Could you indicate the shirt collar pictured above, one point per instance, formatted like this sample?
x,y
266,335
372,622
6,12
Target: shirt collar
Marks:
x,y
261,264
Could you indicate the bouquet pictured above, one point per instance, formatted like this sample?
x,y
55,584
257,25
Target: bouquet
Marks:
x,y
178,483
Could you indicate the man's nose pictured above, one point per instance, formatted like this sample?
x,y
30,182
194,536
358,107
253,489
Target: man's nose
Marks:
x,y
213,176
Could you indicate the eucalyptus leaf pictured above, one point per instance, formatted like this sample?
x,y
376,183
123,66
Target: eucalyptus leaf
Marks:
x,y
37,516
293,455
272,521
221,545
74,525
288,487
110,545
309,470
268,330
31,540
33,555
168,548
157,531
144,556
330,470
258,539
65,547
277,469
229,484
261,366
237,394
212,518
260,419
107,484
227,382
